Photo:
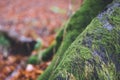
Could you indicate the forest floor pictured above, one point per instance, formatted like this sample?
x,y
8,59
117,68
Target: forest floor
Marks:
x,y
35,19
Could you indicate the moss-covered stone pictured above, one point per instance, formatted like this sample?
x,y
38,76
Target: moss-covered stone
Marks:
x,y
48,53
94,55
75,26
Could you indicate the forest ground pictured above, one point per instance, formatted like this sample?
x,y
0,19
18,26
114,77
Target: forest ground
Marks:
x,y
36,19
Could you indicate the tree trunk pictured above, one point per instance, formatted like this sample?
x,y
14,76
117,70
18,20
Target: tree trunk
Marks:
x,y
61,67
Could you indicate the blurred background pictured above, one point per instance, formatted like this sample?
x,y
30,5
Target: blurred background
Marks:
x,y
24,22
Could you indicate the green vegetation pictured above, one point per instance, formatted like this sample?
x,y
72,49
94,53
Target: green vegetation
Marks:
x,y
72,29
3,40
95,54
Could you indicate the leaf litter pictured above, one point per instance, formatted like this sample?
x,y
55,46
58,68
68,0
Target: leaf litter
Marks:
x,y
35,19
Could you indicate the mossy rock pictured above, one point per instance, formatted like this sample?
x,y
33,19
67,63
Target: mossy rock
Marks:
x,y
95,54
75,26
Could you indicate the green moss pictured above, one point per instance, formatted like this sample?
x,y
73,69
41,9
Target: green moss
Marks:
x,y
100,61
33,60
4,41
48,53
85,52
75,26
38,45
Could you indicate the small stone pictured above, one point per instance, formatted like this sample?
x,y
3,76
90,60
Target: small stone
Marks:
x,y
29,68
